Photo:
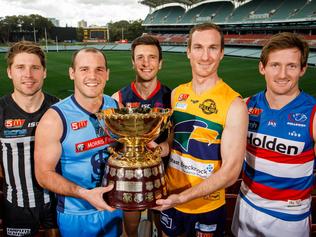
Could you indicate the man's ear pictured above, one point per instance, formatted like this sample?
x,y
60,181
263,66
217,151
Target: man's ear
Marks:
x,y
160,64
71,73
9,72
188,52
107,74
261,68
303,70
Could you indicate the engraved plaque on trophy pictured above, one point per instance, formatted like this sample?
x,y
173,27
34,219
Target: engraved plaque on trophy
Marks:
x,y
136,171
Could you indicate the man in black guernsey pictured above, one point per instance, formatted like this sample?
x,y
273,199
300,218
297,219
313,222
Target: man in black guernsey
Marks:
x,y
27,207
146,91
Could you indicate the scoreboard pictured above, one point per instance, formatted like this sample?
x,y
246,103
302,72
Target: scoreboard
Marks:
x,y
95,34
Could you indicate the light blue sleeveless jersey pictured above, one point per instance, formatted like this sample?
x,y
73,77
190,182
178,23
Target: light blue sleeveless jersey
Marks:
x,y
84,151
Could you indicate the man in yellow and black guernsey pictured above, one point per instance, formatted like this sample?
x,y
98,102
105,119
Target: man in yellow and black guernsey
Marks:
x,y
208,143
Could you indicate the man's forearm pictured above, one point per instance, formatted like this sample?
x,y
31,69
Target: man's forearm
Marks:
x,y
216,181
60,185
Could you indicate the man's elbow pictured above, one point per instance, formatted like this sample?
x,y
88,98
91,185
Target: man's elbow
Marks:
x,y
40,177
234,176
39,173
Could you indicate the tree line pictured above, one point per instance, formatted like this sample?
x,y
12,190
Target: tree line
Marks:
x,y
35,28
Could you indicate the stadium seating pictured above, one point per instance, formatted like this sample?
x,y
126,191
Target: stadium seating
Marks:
x,y
214,11
307,11
287,9
241,13
225,12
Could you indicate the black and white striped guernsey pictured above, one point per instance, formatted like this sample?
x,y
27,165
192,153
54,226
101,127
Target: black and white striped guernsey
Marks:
x,y
17,131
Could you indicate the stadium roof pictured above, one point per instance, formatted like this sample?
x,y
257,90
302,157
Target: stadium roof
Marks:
x,y
156,3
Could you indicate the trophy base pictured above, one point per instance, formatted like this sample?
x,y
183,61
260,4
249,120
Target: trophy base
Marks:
x,y
136,188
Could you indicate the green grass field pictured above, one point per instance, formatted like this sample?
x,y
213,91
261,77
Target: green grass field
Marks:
x,y
241,74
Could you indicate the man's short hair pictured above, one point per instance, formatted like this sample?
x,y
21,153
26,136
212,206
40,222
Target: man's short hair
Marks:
x,y
285,40
146,40
91,50
25,47
203,27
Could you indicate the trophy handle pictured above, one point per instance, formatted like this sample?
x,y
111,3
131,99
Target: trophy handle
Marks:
x,y
113,153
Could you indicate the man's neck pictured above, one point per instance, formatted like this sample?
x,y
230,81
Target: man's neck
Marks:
x,y
90,104
202,84
29,104
145,88
279,101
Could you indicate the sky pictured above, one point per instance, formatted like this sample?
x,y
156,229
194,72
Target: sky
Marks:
x,y
69,12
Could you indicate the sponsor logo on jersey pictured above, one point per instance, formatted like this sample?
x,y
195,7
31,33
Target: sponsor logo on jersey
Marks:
x,y
32,124
166,220
272,123
254,111
276,144
253,125
159,105
79,125
133,104
202,234
194,130
181,105
14,123
205,228
183,97
191,167
208,106
294,203
146,106
15,133
91,144
213,196
18,232
294,134
297,119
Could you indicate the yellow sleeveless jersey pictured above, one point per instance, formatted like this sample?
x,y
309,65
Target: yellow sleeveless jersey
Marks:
x,y
195,154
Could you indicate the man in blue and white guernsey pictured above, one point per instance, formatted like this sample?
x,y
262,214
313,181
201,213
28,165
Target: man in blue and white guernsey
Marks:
x,y
71,151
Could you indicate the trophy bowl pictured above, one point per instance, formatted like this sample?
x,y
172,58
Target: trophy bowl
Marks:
x,y
136,171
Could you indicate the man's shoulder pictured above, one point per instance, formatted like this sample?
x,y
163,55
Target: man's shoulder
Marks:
x,y
125,88
308,98
50,98
62,102
109,102
4,99
182,86
165,88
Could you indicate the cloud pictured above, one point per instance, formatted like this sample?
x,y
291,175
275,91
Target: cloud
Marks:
x,y
95,12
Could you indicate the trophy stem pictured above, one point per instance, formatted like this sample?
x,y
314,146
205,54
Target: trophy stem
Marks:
x,y
134,147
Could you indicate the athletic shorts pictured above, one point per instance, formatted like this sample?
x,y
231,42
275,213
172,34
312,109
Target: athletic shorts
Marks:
x,y
99,223
208,224
22,221
249,222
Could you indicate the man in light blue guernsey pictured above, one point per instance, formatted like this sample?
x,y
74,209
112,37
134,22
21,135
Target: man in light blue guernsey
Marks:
x,y
71,151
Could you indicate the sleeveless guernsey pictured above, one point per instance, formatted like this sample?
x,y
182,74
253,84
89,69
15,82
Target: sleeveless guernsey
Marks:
x,y
198,125
84,151
278,170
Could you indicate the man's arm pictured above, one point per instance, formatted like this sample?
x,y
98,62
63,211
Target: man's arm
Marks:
x,y
47,154
314,132
233,145
314,138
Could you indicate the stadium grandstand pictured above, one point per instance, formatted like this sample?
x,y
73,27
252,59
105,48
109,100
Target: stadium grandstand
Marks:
x,y
246,24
